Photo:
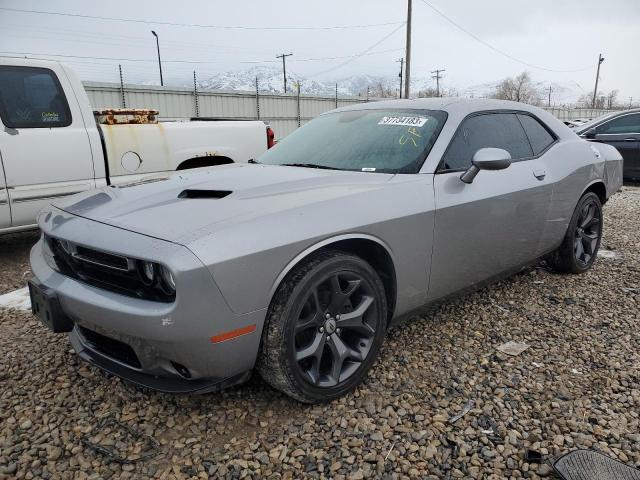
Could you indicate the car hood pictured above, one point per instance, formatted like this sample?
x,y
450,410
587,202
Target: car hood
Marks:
x,y
185,206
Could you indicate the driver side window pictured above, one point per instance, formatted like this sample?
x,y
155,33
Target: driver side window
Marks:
x,y
621,125
497,130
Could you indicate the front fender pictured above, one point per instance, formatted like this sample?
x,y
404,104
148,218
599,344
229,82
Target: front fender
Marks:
x,y
321,244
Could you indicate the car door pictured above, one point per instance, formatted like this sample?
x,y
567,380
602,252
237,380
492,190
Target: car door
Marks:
x,y
44,144
494,224
5,211
623,132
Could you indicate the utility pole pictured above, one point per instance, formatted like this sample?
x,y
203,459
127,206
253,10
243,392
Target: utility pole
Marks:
x,y
595,90
159,62
195,94
283,56
437,76
407,55
401,60
549,102
257,99
124,102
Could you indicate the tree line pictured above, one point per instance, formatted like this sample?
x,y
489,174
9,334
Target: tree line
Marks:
x,y
521,88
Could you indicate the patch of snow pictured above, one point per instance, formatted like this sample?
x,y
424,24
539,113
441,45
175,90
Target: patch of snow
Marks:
x,y
18,299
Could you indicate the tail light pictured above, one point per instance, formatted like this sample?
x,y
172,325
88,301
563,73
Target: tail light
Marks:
x,y
271,138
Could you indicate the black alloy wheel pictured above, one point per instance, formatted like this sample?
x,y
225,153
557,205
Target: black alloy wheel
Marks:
x,y
324,327
587,232
581,242
335,329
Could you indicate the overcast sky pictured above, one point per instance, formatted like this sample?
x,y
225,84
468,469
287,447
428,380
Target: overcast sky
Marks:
x,y
552,34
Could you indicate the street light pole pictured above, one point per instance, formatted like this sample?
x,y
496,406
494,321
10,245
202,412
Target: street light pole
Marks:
x,y
159,62
595,90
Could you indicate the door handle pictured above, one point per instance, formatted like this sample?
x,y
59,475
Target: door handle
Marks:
x,y
540,174
630,139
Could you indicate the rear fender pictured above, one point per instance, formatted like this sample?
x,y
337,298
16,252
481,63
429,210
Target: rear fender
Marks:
x,y
613,166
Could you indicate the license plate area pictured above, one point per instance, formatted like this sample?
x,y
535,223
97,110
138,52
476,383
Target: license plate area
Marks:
x,y
46,306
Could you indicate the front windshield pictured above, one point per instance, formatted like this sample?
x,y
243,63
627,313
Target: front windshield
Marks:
x,y
386,141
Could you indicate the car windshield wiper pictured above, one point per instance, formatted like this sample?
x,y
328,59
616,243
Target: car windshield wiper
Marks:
x,y
251,160
310,165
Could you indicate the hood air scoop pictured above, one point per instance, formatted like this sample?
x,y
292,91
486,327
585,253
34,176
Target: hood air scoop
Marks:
x,y
193,193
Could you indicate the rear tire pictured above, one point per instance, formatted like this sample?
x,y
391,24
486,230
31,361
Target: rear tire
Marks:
x,y
580,246
324,328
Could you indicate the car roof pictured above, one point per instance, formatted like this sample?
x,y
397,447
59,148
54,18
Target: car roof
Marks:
x,y
447,104
602,118
458,108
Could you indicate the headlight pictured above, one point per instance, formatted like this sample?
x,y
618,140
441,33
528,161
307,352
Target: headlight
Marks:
x,y
147,272
157,276
167,279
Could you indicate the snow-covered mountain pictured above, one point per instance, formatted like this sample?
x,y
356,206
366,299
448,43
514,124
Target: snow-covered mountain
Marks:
x,y
270,80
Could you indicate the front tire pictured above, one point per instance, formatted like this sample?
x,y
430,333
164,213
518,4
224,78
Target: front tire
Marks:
x,y
582,240
324,328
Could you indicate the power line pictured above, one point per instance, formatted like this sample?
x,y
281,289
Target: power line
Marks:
x,y
198,25
366,51
113,59
495,49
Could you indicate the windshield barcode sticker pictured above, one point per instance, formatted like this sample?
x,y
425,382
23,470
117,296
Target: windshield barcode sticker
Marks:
x,y
403,121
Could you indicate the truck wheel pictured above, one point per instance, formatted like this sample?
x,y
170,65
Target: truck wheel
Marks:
x,y
580,246
324,328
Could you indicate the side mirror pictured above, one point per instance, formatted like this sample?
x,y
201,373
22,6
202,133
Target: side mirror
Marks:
x,y
591,133
486,159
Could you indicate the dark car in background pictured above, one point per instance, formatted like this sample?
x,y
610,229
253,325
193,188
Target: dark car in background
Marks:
x,y
621,130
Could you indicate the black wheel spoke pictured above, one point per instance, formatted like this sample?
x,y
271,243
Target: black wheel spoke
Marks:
x,y
339,353
355,319
314,318
592,223
587,215
579,249
340,297
589,241
314,349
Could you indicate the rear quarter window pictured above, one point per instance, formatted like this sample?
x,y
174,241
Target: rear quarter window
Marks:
x,y
32,97
539,137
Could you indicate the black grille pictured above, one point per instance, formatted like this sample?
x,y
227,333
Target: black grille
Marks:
x,y
112,348
105,270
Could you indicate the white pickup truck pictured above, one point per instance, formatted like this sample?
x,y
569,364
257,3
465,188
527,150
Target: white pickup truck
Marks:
x,y
52,144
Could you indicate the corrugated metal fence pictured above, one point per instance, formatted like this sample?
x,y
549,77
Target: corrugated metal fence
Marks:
x,y
285,112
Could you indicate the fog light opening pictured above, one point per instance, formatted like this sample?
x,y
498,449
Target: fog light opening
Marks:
x,y
182,370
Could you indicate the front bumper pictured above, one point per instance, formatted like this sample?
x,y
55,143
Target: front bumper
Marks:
x,y
168,384
169,345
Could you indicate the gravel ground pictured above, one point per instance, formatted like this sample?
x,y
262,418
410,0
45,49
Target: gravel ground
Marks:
x,y
576,386
14,260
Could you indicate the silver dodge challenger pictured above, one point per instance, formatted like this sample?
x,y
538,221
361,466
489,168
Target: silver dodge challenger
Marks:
x,y
296,264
